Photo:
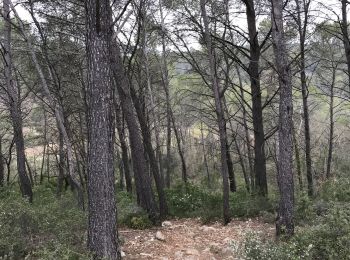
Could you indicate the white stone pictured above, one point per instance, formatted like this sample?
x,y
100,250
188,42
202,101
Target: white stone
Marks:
x,y
166,224
160,236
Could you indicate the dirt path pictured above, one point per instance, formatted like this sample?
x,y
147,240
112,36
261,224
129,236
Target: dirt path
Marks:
x,y
187,239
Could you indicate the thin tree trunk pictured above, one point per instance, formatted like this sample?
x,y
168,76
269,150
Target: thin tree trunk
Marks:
x,y
8,162
14,104
179,148
345,33
219,113
246,133
146,134
57,110
2,169
297,159
61,167
30,173
285,215
102,211
205,156
124,148
254,74
304,91
331,127
142,179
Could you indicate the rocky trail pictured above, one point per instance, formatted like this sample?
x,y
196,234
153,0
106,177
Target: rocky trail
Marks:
x,y
188,239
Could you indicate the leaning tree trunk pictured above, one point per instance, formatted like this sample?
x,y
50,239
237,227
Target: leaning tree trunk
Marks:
x,y
102,212
254,74
219,114
142,179
284,221
14,105
57,110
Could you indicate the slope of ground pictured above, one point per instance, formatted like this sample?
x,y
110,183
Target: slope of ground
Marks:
x,y
188,239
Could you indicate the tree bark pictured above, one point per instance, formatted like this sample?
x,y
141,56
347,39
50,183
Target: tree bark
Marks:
x,y
57,111
297,159
2,168
304,92
346,39
102,212
331,126
142,179
124,148
254,74
219,113
14,105
285,215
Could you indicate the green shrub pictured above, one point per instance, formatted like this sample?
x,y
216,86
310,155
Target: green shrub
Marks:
x,y
328,239
38,229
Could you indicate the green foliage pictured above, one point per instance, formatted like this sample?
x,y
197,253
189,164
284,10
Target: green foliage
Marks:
x,y
50,228
337,189
129,214
192,201
328,239
245,205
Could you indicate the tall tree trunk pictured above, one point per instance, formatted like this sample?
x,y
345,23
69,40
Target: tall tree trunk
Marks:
x,y
246,132
285,215
205,156
146,134
302,26
2,168
102,212
165,80
61,166
8,162
14,105
331,126
142,179
179,148
297,159
254,74
57,110
345,33
44,150
219,113
124,148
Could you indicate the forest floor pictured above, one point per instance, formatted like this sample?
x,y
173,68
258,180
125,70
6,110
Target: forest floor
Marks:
x,y
188,239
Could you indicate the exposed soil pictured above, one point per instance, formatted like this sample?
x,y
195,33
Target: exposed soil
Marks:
x,y
188,239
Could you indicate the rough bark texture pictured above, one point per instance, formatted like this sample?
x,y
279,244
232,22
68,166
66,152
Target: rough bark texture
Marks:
x,y
102,213
142,179
302,26
346,39
146,134
14,104
219,114
254,74
284,221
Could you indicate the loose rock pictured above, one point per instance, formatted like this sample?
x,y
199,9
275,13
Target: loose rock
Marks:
x,y
166,224
160,236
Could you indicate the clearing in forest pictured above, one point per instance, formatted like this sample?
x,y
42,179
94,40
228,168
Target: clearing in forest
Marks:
x,y
188,239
